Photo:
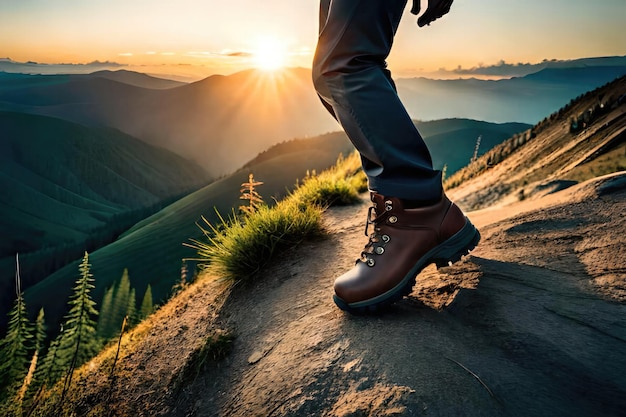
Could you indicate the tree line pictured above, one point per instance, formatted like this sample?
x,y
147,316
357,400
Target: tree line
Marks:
x,y
44,261
30,366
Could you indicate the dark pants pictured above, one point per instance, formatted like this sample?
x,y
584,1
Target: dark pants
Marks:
x,y
350,76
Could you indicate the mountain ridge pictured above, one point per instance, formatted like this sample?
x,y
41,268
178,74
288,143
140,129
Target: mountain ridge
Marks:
x,y
501,69
526,163
202,120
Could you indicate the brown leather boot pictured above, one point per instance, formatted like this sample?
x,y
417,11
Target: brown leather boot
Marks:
x,y
403,242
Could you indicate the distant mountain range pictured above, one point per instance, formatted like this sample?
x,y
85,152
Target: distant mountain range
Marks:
x,y
18,81
220,122
32,67
453,142
502,69
223,121
524,99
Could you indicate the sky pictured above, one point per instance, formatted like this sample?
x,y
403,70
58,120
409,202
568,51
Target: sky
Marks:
x,y
198,38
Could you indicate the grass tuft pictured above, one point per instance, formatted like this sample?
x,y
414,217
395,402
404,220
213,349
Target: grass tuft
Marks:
x,y
337,186
326,192
238,247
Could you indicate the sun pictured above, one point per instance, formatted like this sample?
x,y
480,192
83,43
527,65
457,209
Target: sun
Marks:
x,y
270,54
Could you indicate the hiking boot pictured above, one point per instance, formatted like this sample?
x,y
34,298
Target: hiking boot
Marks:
x,y
402,243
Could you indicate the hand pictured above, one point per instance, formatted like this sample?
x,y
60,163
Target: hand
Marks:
x,y
435,9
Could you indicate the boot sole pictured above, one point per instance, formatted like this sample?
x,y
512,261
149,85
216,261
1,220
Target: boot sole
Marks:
x,y
444,254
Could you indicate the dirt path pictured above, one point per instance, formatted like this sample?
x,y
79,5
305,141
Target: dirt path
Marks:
x,y
536,325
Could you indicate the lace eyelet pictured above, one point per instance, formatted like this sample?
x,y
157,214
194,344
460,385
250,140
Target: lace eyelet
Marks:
x,y
379,250
385,238
393,219
370,262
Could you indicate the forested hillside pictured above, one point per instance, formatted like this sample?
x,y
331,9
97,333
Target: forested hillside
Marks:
x,y
68,188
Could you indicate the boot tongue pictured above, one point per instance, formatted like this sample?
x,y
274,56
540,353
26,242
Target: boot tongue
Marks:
x,y
379,202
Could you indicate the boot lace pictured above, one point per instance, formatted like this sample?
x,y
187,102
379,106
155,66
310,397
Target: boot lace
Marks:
x,y
377,240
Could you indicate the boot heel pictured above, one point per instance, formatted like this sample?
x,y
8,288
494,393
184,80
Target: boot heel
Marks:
x,y
459,245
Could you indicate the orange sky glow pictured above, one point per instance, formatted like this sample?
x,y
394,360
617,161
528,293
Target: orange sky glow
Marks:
x,y
198,38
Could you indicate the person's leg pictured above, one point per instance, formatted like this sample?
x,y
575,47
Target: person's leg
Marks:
x,y
350,75
351,78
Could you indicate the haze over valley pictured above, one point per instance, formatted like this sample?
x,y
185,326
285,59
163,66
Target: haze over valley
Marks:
x,y
221,122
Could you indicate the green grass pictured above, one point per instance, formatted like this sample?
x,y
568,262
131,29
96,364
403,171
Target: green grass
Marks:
x,y
336,186
238,247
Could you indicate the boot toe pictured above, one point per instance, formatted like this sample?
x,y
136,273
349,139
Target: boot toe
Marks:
x,y
360,284
347,286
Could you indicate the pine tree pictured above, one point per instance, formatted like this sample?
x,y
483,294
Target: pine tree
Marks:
x,y
121,298
131,311
118,302
40,330
34,378
14,348
50,370
146,304
40,337
78,342
105,329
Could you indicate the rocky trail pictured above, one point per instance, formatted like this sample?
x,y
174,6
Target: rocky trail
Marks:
x,y
532,323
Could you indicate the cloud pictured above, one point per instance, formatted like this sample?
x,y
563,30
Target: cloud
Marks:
x,y
107,64
238,54
31,67
501,69
504,69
